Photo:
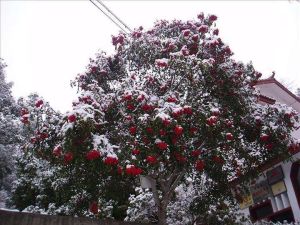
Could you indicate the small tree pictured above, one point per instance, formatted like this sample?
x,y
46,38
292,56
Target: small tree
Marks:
x,y
169,104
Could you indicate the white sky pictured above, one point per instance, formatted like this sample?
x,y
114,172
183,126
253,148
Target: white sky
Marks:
x,y
46,43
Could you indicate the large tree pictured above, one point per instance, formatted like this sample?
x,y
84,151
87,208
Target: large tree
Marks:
x,y
170,104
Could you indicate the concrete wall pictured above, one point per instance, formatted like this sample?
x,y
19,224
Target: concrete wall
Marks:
x,y
20,218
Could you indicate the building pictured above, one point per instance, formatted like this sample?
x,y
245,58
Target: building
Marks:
x,y
275,195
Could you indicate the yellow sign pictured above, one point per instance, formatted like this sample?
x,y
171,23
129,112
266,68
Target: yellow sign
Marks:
x,y
246,201
278,188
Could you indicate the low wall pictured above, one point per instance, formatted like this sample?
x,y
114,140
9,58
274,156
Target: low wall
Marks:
x,y
21,218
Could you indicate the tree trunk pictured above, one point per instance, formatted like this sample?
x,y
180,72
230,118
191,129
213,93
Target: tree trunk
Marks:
x,y
162,215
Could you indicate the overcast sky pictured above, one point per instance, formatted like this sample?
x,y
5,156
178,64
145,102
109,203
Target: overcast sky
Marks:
x,y
47,43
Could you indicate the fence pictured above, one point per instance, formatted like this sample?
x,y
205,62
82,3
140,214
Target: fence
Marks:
x,y
21,218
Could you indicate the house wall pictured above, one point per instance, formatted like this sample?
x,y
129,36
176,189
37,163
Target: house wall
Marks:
x,y
288,198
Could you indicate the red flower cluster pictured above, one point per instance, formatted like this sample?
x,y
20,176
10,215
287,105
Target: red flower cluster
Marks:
x,y
133,170
93,154
111,161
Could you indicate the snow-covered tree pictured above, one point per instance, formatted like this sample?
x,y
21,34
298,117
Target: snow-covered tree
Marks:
x,y
170,104
9,136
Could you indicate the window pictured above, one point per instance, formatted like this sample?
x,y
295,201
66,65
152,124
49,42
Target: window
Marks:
x,y
261,211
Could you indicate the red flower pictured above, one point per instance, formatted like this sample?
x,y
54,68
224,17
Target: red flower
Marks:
x,y
212,18
71,118
166,122
119,170
211,121
68,157
127,97
269,146
186,33
193,130
195,153
24,111
38,103
149,130
93,154
187,110
32,140
94,207
132,170
44,135
24,119
229,136
216,32
57,151
218,159
264,137
146,107
111,161
200,16
162,132
132,130
140,98
151,159
162,145
203,29
130,107
200,165
178,130
136,151
195,37
171,99
180,158
162,63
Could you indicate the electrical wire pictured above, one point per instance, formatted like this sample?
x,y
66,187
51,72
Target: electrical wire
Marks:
x,y
109,17
125,25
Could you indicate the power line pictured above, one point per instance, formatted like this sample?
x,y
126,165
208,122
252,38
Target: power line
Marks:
x,y
109,17
125,25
